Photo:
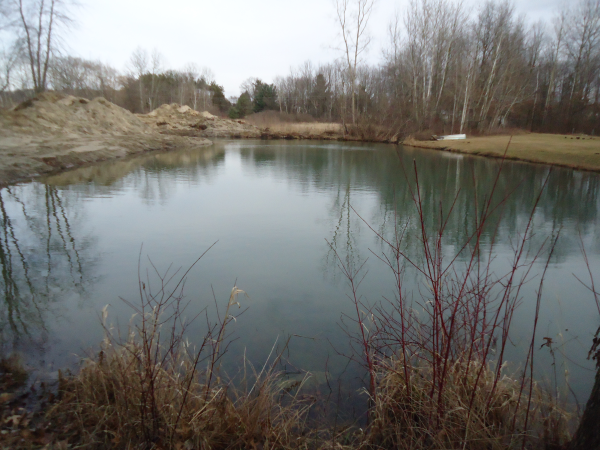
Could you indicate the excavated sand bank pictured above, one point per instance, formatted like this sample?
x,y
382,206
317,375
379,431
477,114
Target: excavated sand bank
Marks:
x,y
54,132
180,120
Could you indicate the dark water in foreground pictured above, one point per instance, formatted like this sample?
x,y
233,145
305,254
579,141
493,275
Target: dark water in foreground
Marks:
x,y
70,246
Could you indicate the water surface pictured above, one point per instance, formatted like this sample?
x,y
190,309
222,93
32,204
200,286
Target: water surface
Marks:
x,y
70,245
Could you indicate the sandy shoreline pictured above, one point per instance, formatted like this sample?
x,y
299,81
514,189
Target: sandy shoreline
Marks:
x,y
26,158
53,132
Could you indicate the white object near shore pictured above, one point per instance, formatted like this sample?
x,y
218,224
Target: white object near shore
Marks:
x,y
451,137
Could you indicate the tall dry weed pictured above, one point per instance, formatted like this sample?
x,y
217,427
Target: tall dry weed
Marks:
x,y
153,389
480,412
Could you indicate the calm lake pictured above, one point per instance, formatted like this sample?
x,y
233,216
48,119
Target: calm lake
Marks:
x,y
70,245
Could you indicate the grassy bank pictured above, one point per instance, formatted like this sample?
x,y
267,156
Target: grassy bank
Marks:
x,y
576,152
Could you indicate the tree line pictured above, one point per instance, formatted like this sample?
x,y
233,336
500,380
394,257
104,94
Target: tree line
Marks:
x,y
443,70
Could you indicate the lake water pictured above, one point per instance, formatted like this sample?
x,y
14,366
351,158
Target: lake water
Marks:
x,y
70,245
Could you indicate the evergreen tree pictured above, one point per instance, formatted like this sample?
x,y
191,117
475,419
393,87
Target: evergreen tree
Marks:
x,y
244,105
218,97
234,113
265,96
320,96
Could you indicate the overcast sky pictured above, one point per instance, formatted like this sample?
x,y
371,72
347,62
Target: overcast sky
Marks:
x,y
236,39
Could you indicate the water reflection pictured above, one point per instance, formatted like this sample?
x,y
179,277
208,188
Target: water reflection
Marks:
x,y
569,201
460,185
150,175
43,260
271,205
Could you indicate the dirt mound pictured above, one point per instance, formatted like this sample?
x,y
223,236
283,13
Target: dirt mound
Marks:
x,y
55,132
64,114
184,121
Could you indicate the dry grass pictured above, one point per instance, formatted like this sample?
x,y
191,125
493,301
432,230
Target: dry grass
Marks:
x,y
153,389
269,117
299,124
12,373
410,418
580,152
314,128
114,402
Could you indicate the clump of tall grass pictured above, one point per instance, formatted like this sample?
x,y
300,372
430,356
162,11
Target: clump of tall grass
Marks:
x,y
479,411
153,389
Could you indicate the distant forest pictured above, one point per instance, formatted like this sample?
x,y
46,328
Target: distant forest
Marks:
x,y
444,70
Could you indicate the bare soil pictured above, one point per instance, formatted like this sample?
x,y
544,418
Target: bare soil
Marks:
x,y
55,132
178,120
577,152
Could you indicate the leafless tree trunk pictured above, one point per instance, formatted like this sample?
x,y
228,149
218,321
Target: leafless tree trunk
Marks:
x,y
559,28
139,66
583,47
36,21
353,17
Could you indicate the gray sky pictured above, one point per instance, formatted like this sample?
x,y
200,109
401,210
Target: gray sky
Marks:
x,y
236,39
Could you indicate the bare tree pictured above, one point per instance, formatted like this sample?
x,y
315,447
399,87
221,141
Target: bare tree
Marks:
x,y
83,77
156,67
559,30
8,60
188,86
583,48
353,17
138,63
205,79
38,22
248,86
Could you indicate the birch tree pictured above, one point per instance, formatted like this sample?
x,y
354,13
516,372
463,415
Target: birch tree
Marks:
x,y
583,50
37,24
138,63
353,18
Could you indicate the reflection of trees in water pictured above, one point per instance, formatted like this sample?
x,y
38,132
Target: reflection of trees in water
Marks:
x,y
570,200
345,235
42,260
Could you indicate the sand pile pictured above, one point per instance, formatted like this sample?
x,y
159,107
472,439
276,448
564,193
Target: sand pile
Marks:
x,y
64,114
184,121
55,132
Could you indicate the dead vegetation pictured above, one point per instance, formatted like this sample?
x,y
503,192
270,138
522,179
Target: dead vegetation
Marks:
x,y
141,393
480,412
155,389
276,125
573,151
